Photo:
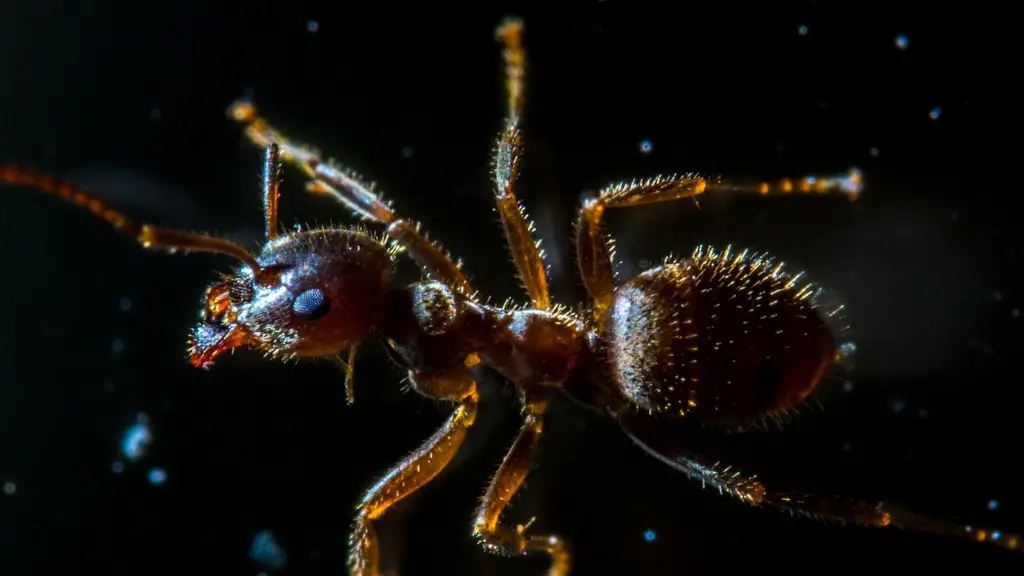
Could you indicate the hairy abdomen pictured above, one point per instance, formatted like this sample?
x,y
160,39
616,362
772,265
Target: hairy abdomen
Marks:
x,y
726,337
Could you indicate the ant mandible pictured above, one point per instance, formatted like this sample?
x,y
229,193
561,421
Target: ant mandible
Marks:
x,y
718,337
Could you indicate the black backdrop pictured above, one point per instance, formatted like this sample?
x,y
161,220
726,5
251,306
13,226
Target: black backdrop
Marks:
x,y
130,101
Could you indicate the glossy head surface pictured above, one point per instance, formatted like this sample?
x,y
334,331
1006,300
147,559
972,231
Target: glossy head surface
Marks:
x,y
316,293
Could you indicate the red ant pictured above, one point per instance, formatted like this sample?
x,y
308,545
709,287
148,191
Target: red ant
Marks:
x,y
718,337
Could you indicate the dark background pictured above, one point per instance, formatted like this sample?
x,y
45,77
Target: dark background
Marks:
x,y
129,100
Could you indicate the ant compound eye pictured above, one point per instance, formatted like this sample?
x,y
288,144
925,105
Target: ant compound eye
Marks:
x,y
311,305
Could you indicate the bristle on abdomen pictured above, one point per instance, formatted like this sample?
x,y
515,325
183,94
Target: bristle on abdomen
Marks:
x,y
727,337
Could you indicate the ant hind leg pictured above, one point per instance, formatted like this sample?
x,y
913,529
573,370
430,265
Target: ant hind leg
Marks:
x,y
751,491
595,249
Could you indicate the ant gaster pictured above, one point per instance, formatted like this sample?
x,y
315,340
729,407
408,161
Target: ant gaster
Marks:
x,y
719,337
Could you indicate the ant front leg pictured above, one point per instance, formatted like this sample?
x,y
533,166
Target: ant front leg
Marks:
x,y
526,252
417,469
346,188
488,529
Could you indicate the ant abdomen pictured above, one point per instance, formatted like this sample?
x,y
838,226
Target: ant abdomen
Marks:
x,y
728,338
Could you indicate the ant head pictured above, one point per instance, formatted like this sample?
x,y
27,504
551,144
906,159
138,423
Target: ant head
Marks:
x,y
313,294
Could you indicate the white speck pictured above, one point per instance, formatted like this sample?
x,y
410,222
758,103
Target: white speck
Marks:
x,y
10,488
873,152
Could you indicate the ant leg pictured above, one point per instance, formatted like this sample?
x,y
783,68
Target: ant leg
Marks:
x,y
487,527
417,469
595,249
145,234
346,188
751,491
271,188
526,252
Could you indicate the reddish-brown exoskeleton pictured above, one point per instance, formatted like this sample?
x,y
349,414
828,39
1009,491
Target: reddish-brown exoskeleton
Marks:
x,y
718,337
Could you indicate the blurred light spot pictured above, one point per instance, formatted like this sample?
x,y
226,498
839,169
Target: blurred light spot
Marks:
x,y
935,113
874,152
157,476
902,42
312,26
407,152
124,304
803,30
646,147
137,439
650,535
993,504
10,488
117,347
266,552
848,349
117,467
898,406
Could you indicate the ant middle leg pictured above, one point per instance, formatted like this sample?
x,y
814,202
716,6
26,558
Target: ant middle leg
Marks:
x,y
346,188
525,249
417,469
500,538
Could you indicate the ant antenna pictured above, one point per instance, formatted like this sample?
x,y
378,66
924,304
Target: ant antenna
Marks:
x,y
145,234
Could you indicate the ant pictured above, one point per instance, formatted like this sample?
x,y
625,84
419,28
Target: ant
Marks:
x,y
719,337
